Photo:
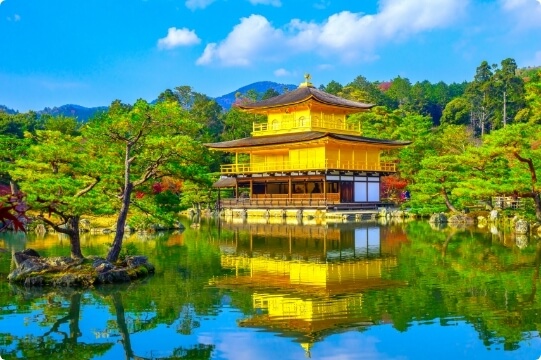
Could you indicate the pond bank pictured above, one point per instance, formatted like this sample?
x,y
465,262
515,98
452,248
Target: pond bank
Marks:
x,y
34,270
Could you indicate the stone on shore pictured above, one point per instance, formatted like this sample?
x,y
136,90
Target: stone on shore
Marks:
x,y
34,270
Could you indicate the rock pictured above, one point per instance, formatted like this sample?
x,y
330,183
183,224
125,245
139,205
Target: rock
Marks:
x,y
22,256
522,226
34,281
103,267
114,276
28,266
84,225
460,219
482,221
68,272
438,219
521,241
135,261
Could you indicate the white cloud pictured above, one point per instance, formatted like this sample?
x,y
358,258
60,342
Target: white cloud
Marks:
x,y
346,35
526,13
253,38
1,1
178,37
281,72
325,67
322,4
198,4
276,3
15,18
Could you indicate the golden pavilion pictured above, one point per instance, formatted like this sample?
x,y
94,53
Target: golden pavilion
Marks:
x,y
305,156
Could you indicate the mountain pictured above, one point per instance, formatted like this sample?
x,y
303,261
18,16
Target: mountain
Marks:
x,y
225,101
80,112
5,109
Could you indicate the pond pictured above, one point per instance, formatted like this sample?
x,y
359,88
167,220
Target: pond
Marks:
x,y
288,291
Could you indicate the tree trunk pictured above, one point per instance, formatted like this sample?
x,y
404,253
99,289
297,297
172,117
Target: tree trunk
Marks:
x,y
13,187
72,231
504,109
122,327
446,199
75,237
114,252
537,202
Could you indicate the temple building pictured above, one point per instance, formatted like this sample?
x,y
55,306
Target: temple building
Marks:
x,y
306,156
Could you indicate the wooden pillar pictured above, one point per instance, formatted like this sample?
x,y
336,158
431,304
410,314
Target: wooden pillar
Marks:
x,y
325,189
289,192
366,159
219,205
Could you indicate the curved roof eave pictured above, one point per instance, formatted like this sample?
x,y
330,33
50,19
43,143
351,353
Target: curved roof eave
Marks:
x,y
261,141
305,94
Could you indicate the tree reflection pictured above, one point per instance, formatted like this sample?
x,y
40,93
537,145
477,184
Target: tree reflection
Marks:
x,y
57,343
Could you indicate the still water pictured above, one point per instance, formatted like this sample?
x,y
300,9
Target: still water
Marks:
x,y
288,291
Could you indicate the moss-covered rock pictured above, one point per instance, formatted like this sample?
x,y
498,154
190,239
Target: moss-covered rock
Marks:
x,y
33,270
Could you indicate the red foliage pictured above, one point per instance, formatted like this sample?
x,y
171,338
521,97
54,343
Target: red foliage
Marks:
x,y
384,86
157,188
12,213
167,184
392,187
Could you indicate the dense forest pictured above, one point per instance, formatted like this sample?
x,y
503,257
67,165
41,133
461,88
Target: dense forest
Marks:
x,y
471,141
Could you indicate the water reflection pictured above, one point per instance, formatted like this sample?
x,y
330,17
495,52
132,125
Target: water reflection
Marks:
x,y
234,291
308,281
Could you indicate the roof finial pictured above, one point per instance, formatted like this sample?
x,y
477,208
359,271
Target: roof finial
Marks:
x,y
307,83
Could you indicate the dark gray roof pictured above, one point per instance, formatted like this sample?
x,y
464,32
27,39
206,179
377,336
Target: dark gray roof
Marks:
x,y
303,94
299,137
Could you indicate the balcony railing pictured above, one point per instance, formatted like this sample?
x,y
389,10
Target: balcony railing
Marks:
x,y
304,124
289,166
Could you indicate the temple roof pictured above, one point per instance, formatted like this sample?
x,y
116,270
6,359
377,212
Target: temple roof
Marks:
x,y
303,94
300,137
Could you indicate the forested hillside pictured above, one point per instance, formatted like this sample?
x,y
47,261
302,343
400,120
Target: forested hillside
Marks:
x,y
470,141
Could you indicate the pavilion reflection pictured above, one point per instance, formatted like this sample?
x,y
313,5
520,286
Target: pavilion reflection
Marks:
x,y
308,281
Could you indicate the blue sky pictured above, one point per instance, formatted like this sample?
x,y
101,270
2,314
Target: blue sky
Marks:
x,y
90,53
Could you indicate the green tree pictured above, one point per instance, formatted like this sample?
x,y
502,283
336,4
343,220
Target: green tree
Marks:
x,y
64,124
510,89
143,143
400,92
333,87
437,168
532,111
201,108
59,177
519,145
481,94
270,93
457,112
360,89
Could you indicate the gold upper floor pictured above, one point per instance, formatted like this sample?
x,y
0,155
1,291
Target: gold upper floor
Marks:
x,y
306,118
